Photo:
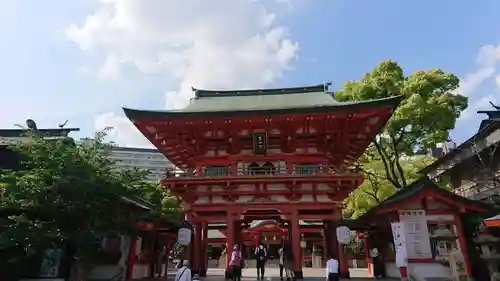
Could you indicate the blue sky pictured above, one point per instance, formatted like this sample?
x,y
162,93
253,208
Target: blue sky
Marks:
x,y
83,60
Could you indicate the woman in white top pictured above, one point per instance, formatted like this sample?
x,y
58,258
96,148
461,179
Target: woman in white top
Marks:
x,y
281,255
332,269
378,266
183,273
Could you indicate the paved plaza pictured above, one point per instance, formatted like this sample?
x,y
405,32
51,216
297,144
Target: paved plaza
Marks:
x,y
272,274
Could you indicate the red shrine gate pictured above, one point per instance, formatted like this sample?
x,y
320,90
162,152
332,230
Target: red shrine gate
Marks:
x,y
275,154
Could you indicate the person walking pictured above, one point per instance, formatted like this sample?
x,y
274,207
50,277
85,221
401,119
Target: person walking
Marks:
x,y
184,272
332,269
378,265
281,255
288,261
261,258
236,263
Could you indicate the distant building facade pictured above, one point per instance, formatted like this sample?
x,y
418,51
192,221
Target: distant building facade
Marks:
x,y
141,158
441,149
10,159
473,168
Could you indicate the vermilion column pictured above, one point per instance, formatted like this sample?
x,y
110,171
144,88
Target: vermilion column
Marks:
x,y
344,262
196,266
230,231
204,248
366,241
131,258
297,266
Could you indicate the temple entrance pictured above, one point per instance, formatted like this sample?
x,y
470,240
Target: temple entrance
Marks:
x,y
284,161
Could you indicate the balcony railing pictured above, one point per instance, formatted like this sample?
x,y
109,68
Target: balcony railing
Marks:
x,y
225,171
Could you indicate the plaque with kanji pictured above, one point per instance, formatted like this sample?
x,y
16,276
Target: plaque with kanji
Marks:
x,y
260,143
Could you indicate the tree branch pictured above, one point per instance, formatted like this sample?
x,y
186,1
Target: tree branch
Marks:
x,y
396,154
375,188
390,178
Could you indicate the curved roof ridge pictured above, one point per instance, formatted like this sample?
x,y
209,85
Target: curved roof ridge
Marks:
x,y
199,93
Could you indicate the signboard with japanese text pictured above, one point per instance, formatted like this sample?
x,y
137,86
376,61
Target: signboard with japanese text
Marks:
x,y
260,143
418,245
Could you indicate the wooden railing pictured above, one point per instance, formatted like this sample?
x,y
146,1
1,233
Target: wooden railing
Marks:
x,y
226,171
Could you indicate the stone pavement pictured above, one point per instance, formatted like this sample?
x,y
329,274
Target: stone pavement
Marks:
x,y
272,274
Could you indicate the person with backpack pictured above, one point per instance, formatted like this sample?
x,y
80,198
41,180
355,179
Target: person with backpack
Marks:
x,y
184,272
236,263
261,257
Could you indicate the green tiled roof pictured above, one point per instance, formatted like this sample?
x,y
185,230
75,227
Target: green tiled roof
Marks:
x,y
414,189
270,101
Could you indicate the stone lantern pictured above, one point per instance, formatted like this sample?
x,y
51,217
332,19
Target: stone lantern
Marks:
x,y
487,244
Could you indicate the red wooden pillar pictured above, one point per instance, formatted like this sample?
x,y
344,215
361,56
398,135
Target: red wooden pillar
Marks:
x,y
131,258
230,242
204,243
344,262
197,249
297,266
366,242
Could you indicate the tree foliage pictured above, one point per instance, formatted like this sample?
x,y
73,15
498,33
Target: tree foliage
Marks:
x,y
68,195
167,204
376,188
429,109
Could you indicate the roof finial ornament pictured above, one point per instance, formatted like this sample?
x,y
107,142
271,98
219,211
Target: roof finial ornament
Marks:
x,y
326,85
31,125
195,91
495,106
63,124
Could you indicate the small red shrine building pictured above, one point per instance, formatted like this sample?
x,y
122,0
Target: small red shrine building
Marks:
x,y
423,207
270,154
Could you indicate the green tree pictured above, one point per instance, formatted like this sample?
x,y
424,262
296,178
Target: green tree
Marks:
x,y
429,109
167,204
376,187
70,195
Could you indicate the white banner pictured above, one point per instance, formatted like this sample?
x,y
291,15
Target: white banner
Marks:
x,y
417,238
398,234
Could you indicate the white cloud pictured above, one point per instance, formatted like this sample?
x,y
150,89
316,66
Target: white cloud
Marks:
x,y
205,44
123,132
482,103
489,55
471,81
487,58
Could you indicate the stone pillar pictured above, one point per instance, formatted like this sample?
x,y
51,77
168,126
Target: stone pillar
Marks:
x,y
297,266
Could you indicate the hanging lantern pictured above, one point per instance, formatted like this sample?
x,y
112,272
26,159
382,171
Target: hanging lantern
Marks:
x,y
184,233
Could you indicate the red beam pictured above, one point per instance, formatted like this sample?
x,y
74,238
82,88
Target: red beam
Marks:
x,y
191,125
284,207
268,193
281,178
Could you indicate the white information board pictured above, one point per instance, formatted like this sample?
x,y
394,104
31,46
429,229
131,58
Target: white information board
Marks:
x,y
418,244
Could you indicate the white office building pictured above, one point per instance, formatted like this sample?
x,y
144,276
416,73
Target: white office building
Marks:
x,y
141,158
